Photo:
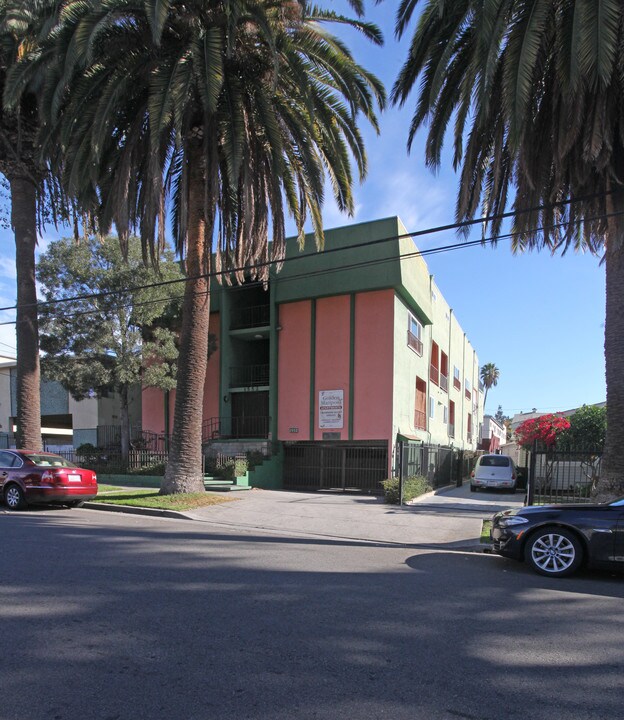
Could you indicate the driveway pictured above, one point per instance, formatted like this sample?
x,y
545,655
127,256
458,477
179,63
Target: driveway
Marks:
x,y
449,519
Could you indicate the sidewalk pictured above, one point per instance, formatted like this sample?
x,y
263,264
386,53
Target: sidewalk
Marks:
x,y
449,518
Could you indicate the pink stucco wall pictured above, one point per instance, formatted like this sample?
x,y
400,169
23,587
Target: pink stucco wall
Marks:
x,y
212,385
374,343
153,401
333,328
294,370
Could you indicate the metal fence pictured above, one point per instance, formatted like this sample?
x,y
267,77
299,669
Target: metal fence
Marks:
x,y
248,427
441,465
335,466
559,476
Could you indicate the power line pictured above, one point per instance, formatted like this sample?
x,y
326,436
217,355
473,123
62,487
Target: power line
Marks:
x,y
322,271
328,251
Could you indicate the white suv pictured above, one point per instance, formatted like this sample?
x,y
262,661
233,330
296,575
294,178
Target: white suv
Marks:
x,y
494,471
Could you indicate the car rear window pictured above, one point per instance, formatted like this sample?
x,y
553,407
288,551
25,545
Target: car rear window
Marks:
x,y
495,461
49,460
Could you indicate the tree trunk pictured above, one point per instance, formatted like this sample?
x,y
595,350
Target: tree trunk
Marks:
x,y
184,468
611,483
24,222
125,426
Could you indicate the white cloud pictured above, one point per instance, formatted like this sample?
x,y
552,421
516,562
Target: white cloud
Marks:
x,y
7,267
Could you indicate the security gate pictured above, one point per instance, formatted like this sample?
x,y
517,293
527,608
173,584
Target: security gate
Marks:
x,y
335,466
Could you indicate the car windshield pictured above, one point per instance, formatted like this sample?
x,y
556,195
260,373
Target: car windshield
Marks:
x,y
494,461
42,460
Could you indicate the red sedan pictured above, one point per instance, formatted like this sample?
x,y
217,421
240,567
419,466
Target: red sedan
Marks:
x,y
40,477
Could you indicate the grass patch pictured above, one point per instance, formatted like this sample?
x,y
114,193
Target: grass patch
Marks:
x,y
485,531
151,499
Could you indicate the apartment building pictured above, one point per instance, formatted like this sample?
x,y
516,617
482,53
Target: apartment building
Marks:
x,y
346,352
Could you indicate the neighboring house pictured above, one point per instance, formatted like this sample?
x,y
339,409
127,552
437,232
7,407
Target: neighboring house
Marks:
x,y
345,352
65,423
493,434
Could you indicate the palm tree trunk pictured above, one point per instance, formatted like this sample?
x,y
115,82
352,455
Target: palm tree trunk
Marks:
x,y
184,468
611,483
24,222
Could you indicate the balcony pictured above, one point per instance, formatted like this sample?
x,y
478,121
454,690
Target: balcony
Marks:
x,y
249,376
250,317
236,428
456,383
444,382
434,374
414,343
420,420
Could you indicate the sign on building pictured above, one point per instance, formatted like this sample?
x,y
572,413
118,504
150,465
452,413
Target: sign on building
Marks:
x,y
331,408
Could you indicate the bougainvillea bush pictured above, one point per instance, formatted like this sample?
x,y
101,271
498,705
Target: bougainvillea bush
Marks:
x,y
545,429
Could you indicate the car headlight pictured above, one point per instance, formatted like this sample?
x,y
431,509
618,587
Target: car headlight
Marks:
x,y
513,520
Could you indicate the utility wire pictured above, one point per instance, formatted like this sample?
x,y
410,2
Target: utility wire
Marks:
x,y
329,251
282,279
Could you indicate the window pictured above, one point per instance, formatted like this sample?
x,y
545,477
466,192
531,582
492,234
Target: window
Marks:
x,y
420,417
445,415
456,380
494,461
451,421
434,366
414,335
467,386
431,407
469,428
444,364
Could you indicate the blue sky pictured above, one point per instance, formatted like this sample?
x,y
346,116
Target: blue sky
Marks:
x,y
539,318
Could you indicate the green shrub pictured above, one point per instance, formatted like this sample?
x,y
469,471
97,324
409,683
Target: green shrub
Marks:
x,y
412,487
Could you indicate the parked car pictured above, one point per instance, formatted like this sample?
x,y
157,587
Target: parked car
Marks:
x,y
555,540
39,477
493,471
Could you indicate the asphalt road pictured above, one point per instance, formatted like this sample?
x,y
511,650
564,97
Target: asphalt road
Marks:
x,y
111,617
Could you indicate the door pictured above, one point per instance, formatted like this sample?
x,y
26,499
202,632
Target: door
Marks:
x,y
250,414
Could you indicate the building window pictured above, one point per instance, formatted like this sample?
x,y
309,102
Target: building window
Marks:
x,y
414,335
434,365
451,420
431,407
469,434
467,387
456,380
445,415
420,414
444,365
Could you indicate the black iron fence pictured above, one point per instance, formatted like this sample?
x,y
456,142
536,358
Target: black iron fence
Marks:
x,y
252,316
563,475
357,466
441,465
248,427
249,375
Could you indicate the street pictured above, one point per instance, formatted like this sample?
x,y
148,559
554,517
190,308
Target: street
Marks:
x,y
115,617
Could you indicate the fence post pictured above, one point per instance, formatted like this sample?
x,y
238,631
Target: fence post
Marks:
x,y
402,445
530,498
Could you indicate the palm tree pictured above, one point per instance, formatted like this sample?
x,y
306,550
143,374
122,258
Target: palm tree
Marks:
x,y
535,92
489,377
20,26
229,112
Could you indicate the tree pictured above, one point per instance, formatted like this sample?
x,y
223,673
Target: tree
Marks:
x,y
535,91
96,315
545,430
21,23
231,113
588,427
489,377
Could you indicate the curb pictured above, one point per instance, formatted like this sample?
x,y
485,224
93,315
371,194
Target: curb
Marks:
x,y
129,510
462,546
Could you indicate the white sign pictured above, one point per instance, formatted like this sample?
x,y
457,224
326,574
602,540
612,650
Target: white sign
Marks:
x,y
331,408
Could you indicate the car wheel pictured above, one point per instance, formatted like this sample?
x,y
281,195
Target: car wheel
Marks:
x,y
473,488
553,552
14,497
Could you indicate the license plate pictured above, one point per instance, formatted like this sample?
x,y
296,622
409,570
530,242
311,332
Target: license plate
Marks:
x,y
74,478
